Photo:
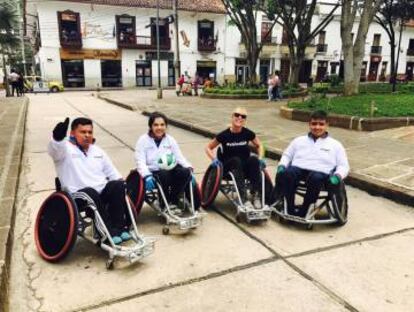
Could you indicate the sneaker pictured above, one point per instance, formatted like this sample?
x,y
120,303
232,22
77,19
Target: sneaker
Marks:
x,y
125,236
117,240
257,203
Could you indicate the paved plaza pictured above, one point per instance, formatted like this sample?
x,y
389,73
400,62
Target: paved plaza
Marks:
x,y
223,265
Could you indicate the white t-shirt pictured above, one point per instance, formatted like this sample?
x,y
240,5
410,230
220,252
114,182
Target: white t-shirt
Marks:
x,y
322,155
77,170
147,153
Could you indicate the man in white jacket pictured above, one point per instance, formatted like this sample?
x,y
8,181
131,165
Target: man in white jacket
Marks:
x,y
83,166
315,158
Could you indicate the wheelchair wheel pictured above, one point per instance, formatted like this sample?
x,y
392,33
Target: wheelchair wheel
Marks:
x,y
136,190
211,185
56,226
340,205
268,188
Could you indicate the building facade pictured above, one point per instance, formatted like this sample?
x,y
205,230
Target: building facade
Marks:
x,y
112,43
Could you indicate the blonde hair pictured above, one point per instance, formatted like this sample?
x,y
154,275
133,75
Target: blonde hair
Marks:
x,y
240,110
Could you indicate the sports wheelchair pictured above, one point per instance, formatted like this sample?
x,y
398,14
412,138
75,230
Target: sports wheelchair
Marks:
x,y
63,216
214,181
331,207
184,218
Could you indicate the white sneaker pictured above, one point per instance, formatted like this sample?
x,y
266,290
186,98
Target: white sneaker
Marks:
x,y
257,203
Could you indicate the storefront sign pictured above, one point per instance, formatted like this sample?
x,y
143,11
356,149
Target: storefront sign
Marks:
x,y
167,56
91,54
206,64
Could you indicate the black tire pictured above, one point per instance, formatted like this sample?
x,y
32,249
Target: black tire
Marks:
x,y
136,190
54,89
340,205
211,185
268,188
56,227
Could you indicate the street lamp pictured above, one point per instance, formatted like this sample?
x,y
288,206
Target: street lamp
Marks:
x,y
159,89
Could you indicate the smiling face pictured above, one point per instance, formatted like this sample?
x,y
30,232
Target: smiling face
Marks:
x,y
158,127
83,135
238,118
318,127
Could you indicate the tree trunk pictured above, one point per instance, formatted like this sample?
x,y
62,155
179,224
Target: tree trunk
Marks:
x,y
252,59
297,58
5,79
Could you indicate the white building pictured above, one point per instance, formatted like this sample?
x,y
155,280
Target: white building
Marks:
x,y
107,43
104,43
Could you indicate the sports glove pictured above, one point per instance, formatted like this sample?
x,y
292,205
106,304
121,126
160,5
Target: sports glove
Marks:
x,y
334,179
281,169
59,132
149,183
216,162
262,163
193,180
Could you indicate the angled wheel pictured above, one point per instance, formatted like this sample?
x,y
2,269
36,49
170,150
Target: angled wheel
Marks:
x,y
268,187
339,202
56,226
136,190
211,185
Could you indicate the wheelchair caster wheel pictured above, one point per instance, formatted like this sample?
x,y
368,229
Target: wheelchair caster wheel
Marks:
x,y
165,230
309,227
110,265
238,218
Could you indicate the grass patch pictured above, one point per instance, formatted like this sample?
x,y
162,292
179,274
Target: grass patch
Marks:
x,y
364,88
236,90
388,105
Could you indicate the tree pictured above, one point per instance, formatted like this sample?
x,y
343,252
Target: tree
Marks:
x,y
8,39
393,15
354,52
243,14
296,18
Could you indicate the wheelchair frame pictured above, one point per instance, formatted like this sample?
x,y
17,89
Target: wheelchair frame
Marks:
x,y
154,198
230,190
336,215
143,246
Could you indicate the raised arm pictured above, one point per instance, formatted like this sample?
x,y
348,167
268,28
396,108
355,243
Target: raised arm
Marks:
x,y
57,145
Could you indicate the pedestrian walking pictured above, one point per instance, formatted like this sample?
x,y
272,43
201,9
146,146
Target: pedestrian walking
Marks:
x,y
20,85
179,86
13,78
277,90
196,83
270,84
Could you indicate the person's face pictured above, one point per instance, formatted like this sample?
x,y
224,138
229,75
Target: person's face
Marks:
x,y
158,127
318,127
83,135
238,119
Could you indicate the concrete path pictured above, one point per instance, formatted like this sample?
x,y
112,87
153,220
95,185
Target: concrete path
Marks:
x,y
382,162
223,266
12,120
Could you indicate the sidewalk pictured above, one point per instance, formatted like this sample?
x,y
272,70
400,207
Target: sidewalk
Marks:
x,y
382,162
12,121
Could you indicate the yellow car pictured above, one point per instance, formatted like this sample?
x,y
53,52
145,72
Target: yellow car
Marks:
x,y
54,86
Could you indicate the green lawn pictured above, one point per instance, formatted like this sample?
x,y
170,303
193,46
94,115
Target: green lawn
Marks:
x,y
364,88
388,105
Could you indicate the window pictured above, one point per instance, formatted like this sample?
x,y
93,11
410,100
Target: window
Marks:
x,y
143,73
164,31
285,37
377,40
125,26
321,39
69,29
266,32
206,40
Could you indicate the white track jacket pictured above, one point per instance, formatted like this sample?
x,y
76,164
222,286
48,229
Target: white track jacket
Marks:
x,y
147,153
77,170
322,155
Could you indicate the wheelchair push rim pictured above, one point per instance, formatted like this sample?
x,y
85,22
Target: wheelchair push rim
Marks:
x,y
210,185
56,227
136,190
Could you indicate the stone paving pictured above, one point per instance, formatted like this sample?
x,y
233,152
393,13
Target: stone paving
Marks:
x,y
382,162
12,119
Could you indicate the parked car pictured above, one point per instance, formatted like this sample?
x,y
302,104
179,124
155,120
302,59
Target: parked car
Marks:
x,y
54,86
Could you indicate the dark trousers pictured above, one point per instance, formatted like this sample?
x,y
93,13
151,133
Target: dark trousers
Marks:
x,y
15,87
249,169
276,92
111,206
174,182
288,181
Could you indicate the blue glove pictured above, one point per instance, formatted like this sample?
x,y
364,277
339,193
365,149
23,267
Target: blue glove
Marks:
x,y
193,180
262,163
149,183
335,179
216,162
281,169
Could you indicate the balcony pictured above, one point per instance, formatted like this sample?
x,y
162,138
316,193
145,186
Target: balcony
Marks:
x,y
71,40
410,52
321,48
206,45
143,42
376,49
269,40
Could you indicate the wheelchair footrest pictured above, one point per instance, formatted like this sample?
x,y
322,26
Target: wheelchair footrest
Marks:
x,y
257,214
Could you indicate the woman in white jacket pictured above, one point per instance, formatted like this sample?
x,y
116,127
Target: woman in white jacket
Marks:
x,y
150,147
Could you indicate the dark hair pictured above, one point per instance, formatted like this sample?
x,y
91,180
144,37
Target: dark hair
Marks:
x,y
80,121
156,115
319,114
277,72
